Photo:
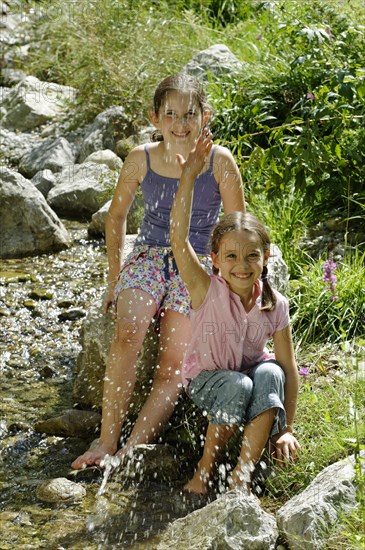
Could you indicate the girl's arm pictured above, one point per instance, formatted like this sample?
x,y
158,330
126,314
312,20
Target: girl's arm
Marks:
x,y
285,442
116,220
229,180
196,279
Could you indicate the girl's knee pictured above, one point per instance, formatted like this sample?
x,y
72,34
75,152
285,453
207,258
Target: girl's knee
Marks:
x,y
237,384
269,371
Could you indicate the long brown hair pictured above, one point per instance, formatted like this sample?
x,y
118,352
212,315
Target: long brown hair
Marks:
x,y
244,221
181,82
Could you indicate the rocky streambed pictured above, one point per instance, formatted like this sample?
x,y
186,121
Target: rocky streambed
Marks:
x,y
43,302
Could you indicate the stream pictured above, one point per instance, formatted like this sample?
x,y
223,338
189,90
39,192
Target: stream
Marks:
x,y
39,346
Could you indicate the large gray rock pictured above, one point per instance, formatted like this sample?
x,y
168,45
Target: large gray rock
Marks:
x,y
216,60
28,225
44,181
33,102
81,190
305,519
53,154
14,145
107,157
277,270
232,522
107,129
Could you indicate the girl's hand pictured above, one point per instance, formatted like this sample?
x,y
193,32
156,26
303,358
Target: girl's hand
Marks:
x,y
197,156
108,300
284,446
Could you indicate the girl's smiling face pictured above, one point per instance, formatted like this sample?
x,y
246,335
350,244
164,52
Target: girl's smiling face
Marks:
x,y
240,260
180,118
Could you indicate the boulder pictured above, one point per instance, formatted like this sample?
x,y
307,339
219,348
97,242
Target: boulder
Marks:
x,y
305,519
107,129
72,423
28,225
53,154
14,145
44,180
107,157
216,60
32,102
232,522
81,190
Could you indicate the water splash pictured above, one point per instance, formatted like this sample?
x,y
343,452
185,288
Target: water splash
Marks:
x,y
110,465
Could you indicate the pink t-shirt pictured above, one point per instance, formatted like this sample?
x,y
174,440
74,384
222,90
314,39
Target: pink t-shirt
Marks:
x,y
225,336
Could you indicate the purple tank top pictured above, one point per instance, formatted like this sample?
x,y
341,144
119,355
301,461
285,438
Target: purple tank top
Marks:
x,y
158,194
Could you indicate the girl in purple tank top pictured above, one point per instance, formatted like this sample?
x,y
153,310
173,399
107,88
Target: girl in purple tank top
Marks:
x,y
226,369
147,281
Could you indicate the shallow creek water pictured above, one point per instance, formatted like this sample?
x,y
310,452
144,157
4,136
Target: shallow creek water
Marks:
x,y
38,354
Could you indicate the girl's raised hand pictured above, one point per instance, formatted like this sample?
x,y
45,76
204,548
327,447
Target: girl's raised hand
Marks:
x,y
197,156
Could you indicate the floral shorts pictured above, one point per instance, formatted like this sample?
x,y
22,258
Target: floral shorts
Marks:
x,y
154,271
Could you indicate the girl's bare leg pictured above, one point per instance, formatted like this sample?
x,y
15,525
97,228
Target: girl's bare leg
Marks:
x,y
216,438
175,334
255,438
134,313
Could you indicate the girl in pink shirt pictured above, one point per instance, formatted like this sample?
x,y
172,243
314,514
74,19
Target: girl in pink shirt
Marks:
x,y
227,370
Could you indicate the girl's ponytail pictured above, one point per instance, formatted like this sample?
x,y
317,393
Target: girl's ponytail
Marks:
x,y
268,298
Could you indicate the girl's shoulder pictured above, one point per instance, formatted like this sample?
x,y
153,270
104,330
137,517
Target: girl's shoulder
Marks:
x,y
222,153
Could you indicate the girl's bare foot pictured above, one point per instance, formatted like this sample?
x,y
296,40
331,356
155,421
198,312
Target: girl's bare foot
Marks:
x,y
92,457
240,480
198,484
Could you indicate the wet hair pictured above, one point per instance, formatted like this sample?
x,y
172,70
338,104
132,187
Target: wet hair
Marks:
x,y
181,82
244,221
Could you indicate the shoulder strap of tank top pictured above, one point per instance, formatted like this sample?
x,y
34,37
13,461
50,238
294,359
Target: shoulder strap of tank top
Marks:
x,y
147,156
214,148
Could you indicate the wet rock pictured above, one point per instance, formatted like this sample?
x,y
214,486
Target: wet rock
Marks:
x,y
15,427
60,490
40,294
72,423
47,372
303,519
72,314
82,189
51,154
233,522
32,228
151,462
33,102
65,303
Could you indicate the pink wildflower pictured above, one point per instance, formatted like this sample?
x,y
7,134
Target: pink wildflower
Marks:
x,y
329,277
303,371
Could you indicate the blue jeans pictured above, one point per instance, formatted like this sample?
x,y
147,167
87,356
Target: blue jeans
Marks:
x,y
231,397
